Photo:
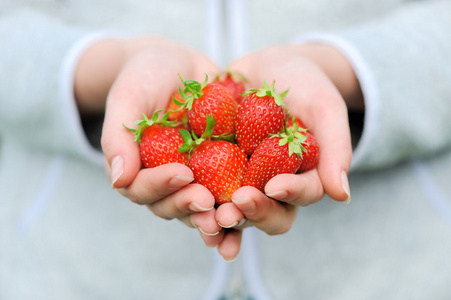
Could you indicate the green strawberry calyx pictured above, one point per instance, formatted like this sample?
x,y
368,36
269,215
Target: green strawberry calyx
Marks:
x,y
294,137
191,140
269,91
191,90
143,124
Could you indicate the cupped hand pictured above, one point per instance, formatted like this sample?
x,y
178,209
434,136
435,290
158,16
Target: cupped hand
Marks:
x,y
147,78
319,87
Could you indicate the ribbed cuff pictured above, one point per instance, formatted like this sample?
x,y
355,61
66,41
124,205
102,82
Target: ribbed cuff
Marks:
x,y
66,82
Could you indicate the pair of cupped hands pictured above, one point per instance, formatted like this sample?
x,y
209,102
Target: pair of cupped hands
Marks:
x,y
125,78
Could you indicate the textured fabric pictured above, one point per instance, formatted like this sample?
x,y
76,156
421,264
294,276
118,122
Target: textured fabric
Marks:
x,y
411,116
65,234
36,97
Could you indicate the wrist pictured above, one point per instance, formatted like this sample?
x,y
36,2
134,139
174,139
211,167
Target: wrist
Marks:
x,y
339,70
95,73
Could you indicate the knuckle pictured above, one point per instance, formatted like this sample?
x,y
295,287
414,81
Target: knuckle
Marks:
x,y
258,219
135,199
312,195
155,209
318,193
283,228
130,195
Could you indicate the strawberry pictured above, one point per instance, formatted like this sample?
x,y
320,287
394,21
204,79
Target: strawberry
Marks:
x,y
310,156
209,99
234,82
177,112
218,165
159,141
277,154
293,120
260,114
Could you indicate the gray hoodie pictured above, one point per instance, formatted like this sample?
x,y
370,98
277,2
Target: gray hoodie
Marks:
x,y
66,234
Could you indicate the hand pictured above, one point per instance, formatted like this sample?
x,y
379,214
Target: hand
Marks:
x,y
126,78
319,80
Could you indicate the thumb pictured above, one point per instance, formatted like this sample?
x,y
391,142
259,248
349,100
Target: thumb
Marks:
x,y
122,158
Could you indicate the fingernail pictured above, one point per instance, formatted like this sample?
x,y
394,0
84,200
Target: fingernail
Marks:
x,y
229,260
243,220
197,208
246,205
180,181
209,234
235,224
345,185
117,169
229,226
279,195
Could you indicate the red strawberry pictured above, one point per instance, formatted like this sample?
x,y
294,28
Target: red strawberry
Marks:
x,y
158,141
217,165
209,99
220,167
277,154
294,120
310,156
234,82
260,114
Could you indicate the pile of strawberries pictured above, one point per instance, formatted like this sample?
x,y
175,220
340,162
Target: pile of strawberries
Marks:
x,y
229,137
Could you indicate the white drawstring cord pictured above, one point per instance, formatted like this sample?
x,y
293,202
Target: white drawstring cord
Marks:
x,y
238,37
214,30
237,45
214,45
251,264
237,28
39,203
220,277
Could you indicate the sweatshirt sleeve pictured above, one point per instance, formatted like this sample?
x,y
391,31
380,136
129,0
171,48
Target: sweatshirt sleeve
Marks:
x,y
37,105
402,61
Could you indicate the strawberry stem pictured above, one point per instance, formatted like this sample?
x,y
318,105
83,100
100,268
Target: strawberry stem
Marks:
x,y
143,124
294,137
191,141
192,90
269,91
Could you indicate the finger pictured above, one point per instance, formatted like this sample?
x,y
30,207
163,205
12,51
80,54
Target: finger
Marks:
x,y
129,98
331,130
296,189
212,241
167,191
193,198
230,245
228,215
209,230
211,233
152,184
270,216
320,106
204,221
